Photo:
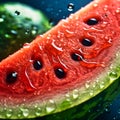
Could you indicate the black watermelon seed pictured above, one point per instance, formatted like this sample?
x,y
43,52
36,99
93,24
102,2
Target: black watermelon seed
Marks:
x,y
11,77
87,42
37,65
92,21
60,73
76,57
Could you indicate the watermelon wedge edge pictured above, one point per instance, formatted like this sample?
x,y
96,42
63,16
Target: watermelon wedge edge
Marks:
x,y
52,98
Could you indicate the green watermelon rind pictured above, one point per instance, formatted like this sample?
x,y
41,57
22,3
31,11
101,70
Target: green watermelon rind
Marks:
x,y
71,99
91,109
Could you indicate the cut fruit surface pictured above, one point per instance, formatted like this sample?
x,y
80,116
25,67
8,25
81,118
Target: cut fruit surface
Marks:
x,y
71,63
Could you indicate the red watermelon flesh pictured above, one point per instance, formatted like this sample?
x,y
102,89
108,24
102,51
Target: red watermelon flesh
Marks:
x,y
66,66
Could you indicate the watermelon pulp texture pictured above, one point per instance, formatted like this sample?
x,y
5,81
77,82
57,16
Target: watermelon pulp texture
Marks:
x,y
66,66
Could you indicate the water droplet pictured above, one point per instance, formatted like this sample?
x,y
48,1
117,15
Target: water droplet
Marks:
x,y
56,47
113,75
70,7
51,106
34,29
107,109
87,84
91,93
9,113
75,94
95,4
65,103
94,85
69,33
68,97
27,31
118,69
7,36
106,8
13,32
104,25
34,32
38,111
51,22
118,10
1,20
102,85
17,12
25,112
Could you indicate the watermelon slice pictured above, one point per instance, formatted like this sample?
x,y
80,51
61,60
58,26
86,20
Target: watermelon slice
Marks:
x,y
71,63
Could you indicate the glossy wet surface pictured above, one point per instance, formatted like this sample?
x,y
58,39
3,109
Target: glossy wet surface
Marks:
x,y
56,10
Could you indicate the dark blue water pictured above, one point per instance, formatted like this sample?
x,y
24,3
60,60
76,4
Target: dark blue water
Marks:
x,y
58,9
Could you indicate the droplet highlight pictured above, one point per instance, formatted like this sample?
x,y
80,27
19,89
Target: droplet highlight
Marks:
x,y
9,113
25,112
51,106
102,85
75,94
1,20
70,7
38,111
113,75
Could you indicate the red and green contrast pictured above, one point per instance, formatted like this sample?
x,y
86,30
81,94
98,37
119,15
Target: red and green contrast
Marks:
x,y
69,64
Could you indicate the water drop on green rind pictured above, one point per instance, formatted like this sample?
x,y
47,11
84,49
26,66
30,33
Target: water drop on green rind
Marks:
x,y
96,105
15,30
